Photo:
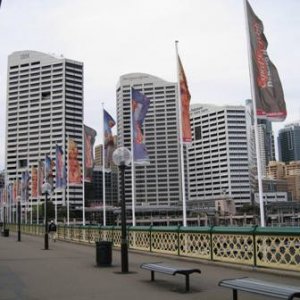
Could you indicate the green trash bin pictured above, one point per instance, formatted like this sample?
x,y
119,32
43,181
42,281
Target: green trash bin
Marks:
x,y
103,253
6,232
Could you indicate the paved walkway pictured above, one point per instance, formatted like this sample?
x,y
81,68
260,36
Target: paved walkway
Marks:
x,y
68,271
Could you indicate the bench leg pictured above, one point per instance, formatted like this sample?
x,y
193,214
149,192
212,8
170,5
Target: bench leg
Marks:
x,y
152,275
234,294
187,283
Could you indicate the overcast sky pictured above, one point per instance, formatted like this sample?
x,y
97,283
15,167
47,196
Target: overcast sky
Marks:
x,y
116,37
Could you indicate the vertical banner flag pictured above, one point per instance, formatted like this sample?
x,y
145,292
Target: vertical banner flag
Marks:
x,y
185,98
140,104
270,101
10,193
49,171
109,143
74,169
34,182
89,140
40,178
25,182
60,175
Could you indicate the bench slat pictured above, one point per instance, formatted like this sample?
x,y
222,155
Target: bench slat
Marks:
x,y
167,269
261,287
161,268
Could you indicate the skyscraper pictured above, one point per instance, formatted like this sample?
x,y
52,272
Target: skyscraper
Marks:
x,y
44,108
266,140
289,142
218,157
157,184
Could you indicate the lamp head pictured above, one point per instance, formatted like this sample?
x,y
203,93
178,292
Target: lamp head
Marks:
x,y
121,157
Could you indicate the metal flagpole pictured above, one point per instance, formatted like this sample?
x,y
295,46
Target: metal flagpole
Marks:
x,y
83,176
68,183
181,140
132,162
103,169
258,158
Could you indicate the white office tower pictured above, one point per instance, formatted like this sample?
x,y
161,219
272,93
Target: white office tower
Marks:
x,y
218,156
157,184
44,108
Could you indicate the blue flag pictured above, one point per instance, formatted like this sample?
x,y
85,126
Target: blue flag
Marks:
x,y
140,104
60,176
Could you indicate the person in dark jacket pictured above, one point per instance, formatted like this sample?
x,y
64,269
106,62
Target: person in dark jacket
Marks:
x,y
52,231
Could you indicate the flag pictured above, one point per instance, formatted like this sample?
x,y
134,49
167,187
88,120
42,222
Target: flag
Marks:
x,y
185,98
49,164
269,96
10,193
34,182
60,175
15,190
74,169
140,104
25,182
89,140
109,143
40,177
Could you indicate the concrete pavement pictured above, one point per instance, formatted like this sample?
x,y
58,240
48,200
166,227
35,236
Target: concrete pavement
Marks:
x,y
68,271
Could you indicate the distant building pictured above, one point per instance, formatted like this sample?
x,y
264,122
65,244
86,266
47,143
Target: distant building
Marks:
x,y
99,153
94,189
293,179
290,174
266,141
44,108
276,170
289,142
218,164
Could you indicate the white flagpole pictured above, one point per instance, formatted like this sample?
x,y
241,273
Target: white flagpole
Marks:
x,y
83,177
258,158
132,163
103,170
68,184
55,207
181,140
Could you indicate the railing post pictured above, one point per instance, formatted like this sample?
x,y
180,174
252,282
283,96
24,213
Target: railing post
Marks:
x,y
150,238
254,246
178,240
211,243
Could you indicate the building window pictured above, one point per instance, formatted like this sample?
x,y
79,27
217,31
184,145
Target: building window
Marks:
x,y
198,133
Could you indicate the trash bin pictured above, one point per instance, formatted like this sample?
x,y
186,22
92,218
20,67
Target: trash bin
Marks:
x,y
6,232
103,253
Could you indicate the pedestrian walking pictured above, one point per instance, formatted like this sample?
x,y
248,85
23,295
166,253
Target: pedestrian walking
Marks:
x,y
52,231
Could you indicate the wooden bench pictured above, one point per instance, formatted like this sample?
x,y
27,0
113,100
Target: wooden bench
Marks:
x,y
161,268
256,286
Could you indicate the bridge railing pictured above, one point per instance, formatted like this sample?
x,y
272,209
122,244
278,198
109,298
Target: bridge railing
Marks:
x,y
277,248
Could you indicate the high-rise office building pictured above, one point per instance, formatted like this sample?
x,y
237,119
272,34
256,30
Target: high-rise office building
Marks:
x,y
218,156
266,141
157,184
44,108
289,142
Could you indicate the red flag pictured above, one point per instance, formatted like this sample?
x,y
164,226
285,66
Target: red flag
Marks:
x,y
185,105
74,169
89,140
268,90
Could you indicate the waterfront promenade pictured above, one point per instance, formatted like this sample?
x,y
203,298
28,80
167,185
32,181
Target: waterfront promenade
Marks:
x,y
68,271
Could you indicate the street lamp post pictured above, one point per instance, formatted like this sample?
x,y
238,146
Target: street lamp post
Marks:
x,y
122,158
19,219
47,190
